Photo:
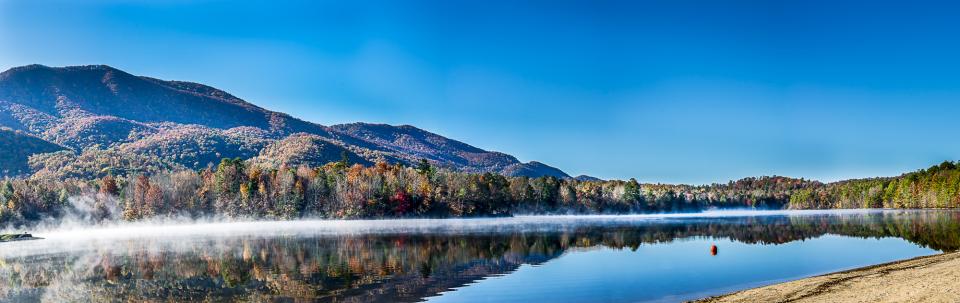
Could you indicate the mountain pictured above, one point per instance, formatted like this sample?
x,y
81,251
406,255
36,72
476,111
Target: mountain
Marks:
x,y
184,124
41,98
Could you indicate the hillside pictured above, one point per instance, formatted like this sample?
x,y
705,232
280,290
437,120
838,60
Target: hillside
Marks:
x,y
193,125
18,146
305,149
81,91
411,143
533,169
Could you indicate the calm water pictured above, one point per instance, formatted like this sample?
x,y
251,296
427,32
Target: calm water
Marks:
x,y
523,259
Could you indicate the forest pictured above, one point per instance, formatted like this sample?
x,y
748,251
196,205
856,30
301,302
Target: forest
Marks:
x,y
243,189
934,187
341,190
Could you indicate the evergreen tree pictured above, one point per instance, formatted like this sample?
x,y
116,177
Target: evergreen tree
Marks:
x,y
8,196
632,193
424,168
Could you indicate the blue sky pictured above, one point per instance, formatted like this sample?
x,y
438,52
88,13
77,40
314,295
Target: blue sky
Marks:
x,y
664,91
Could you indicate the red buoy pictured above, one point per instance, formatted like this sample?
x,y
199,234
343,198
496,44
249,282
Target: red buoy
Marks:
x,y
713,250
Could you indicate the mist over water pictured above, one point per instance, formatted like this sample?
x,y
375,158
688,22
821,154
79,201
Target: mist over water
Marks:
x,y
73,235
74,229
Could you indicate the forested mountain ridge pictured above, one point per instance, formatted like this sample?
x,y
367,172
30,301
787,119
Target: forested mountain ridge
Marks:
x,y
406,140
195,126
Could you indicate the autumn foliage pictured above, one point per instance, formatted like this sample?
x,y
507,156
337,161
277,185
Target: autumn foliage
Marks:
x,y
244,189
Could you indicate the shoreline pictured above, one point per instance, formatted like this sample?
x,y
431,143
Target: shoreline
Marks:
x,y
17,237
930,278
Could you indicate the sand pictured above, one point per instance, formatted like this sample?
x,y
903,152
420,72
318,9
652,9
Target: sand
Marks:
x,y
924,279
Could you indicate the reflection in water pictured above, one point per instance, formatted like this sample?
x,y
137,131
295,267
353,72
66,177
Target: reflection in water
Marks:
x,y
394,267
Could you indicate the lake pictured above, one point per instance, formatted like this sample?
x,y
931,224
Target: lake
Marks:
x,y
637,258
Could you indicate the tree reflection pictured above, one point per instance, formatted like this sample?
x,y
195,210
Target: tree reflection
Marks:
x,y
397,267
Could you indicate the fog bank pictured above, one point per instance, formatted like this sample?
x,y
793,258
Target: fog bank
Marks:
x,y
180,227
174,233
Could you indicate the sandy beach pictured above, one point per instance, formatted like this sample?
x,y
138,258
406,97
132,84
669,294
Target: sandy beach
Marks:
x,y
933,278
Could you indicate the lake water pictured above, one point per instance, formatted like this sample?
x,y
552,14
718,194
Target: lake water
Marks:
x,y
522,259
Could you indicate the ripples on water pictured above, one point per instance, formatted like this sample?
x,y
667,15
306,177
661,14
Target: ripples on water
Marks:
x,y
524,259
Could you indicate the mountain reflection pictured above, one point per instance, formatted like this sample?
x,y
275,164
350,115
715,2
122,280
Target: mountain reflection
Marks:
x,y
395,267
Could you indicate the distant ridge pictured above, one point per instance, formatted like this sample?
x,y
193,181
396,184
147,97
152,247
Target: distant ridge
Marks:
x,y
193,125
533,169
587,178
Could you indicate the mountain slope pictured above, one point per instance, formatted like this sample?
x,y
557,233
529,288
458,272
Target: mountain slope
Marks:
x,y
412,143
195,146
18,147
194,125
103,90
305,149
533,169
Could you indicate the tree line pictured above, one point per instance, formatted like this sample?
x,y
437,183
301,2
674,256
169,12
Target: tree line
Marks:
x,y
934,187
241,189
237,188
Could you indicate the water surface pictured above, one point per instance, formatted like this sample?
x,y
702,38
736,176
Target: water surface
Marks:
x,y
523,259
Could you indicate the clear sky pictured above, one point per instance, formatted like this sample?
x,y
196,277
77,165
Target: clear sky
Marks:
x,y
664,91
